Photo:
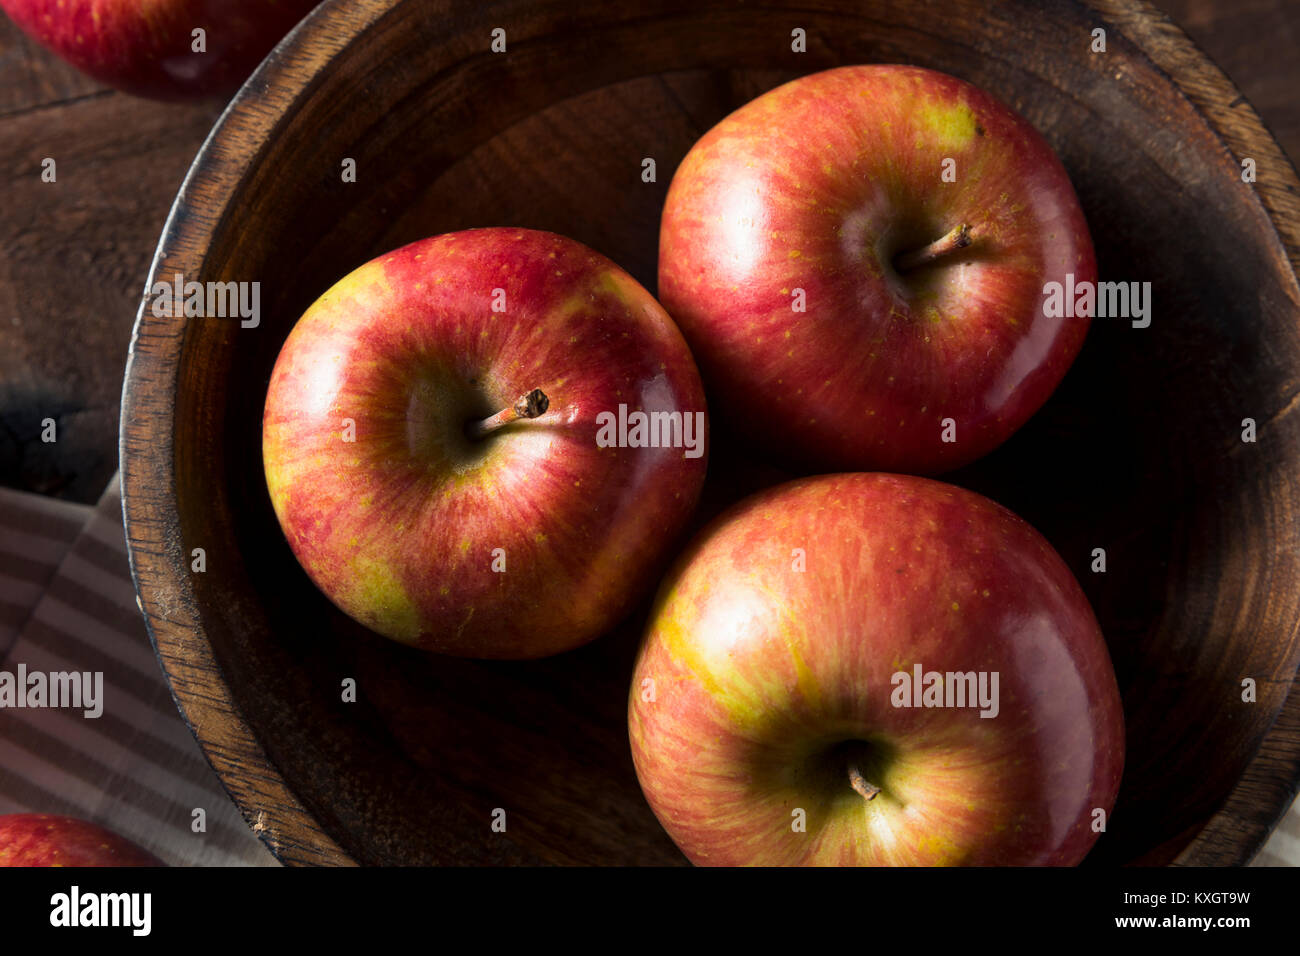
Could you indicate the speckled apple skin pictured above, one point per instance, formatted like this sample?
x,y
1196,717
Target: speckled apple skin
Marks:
x,y
401,528
804,196
42,839
761,673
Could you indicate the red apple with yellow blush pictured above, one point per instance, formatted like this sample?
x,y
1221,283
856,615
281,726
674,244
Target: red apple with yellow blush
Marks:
x,y
858,261
874,669
485,443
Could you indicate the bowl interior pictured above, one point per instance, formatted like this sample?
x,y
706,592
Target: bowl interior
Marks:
x,y
1140,451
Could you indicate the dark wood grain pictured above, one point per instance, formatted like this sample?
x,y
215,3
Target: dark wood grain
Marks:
x,y
1257,43
1268,783
75,255
1139,451
34,78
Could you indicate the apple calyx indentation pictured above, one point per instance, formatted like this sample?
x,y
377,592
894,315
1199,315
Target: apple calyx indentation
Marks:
x,y
957,238
529,405
859,783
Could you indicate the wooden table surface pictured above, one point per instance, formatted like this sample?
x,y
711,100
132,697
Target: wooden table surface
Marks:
x,y
76,251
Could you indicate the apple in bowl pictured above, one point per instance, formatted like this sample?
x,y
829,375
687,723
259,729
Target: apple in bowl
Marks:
x,y
872,669
485,443
863,253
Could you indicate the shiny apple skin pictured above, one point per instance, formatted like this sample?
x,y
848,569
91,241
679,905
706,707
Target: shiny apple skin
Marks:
x,y
145,47
817,185
42,839
762,675
399,528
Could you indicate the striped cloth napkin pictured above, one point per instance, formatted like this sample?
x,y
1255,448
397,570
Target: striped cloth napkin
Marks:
x,y
67,604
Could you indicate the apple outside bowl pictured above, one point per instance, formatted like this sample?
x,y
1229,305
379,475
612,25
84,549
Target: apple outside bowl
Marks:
x,y
1139,452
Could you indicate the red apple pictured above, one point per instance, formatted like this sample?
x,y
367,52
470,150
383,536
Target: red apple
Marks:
x,y
768,692
827,194
470,515
147,47
41,839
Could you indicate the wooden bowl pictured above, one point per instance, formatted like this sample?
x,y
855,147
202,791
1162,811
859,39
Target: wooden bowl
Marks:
x,y
1140,451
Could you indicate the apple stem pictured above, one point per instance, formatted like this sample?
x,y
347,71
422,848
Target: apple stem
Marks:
x,y
529,405
959,238
859,783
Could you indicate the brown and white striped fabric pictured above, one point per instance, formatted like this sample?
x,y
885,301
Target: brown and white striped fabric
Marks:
x,y
1283,845
35,533
67,604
